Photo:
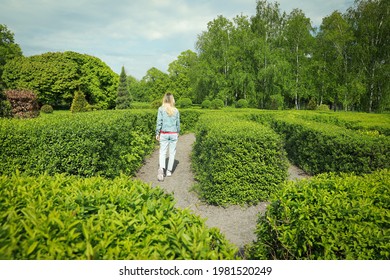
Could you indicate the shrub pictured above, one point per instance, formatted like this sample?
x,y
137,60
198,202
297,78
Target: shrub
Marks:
x,y
79,103
24,103
68,218
236,161
312,105
206,104
48,109
155,104
276,102
328,217
184,103
323,107
242,103
217,104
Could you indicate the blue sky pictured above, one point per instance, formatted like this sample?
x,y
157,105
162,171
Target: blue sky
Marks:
x,y
138,34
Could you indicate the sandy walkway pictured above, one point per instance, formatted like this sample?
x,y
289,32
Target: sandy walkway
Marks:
x,y
237,223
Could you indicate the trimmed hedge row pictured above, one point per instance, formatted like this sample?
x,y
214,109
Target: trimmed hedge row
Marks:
x,y
320,147
371,124
327,147
104,143
67,218
237,161
328,217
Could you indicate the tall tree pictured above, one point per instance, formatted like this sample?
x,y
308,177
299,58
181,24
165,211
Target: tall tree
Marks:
x,y
123,99
8,49
334,39
267,26
214,52
299,41
371,26
155,84
181,73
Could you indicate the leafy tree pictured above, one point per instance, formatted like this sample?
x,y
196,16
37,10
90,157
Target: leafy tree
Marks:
x,y
155,84
181,73
334,38
299,42
214,52
56,76
8,50
123,99
270,66
371,50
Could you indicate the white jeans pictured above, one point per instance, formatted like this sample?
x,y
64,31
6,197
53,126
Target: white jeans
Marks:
x,y
167,141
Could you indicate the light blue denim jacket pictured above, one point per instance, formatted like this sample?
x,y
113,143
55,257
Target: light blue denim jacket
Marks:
x,y
167,123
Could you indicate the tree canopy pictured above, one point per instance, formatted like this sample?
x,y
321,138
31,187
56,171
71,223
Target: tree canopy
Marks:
x,y
55,77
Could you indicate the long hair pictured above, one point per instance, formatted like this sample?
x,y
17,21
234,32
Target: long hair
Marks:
x,y
168,103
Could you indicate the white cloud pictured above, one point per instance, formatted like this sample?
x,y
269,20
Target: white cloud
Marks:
x,y
138,34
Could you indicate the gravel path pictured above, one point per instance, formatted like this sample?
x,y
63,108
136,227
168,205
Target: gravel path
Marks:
x,y
236,222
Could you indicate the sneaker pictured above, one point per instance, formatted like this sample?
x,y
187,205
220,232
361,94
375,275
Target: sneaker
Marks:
x,y
160,174
169,173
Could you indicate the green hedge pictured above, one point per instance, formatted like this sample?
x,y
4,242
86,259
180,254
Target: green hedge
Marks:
x,y
188,119
328,217
321,147
372,124
67,218
104,143
237,161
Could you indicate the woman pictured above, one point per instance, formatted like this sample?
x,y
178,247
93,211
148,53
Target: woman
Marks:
x,y
167,132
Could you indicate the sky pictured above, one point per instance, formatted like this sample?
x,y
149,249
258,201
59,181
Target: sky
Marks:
x,y
136,34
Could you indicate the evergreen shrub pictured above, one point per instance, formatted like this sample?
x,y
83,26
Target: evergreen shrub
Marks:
x,y
184,103
70,218
242,103
237,161
328,217
79,103
47,109
206,104
217,104
323,107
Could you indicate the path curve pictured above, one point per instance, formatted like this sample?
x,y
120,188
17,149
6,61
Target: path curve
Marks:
x,y
237,223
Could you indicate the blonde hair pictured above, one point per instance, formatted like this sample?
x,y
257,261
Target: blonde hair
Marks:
x,y
168,103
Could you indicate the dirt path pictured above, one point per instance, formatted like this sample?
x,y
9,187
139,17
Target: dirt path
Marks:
x,y
237,223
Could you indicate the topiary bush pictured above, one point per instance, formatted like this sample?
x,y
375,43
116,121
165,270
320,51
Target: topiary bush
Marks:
x,y
206,104
184,102
323,107
217,104
79,103
68,218
327,217
242,103
47,109
24,103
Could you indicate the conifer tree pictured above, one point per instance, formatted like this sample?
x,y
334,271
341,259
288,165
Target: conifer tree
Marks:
x,y
123,99
79,103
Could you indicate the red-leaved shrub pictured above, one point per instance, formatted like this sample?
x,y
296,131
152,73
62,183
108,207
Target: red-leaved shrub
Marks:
x,y
24,103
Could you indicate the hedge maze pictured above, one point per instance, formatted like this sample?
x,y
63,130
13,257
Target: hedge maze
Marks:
x,y
66,187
